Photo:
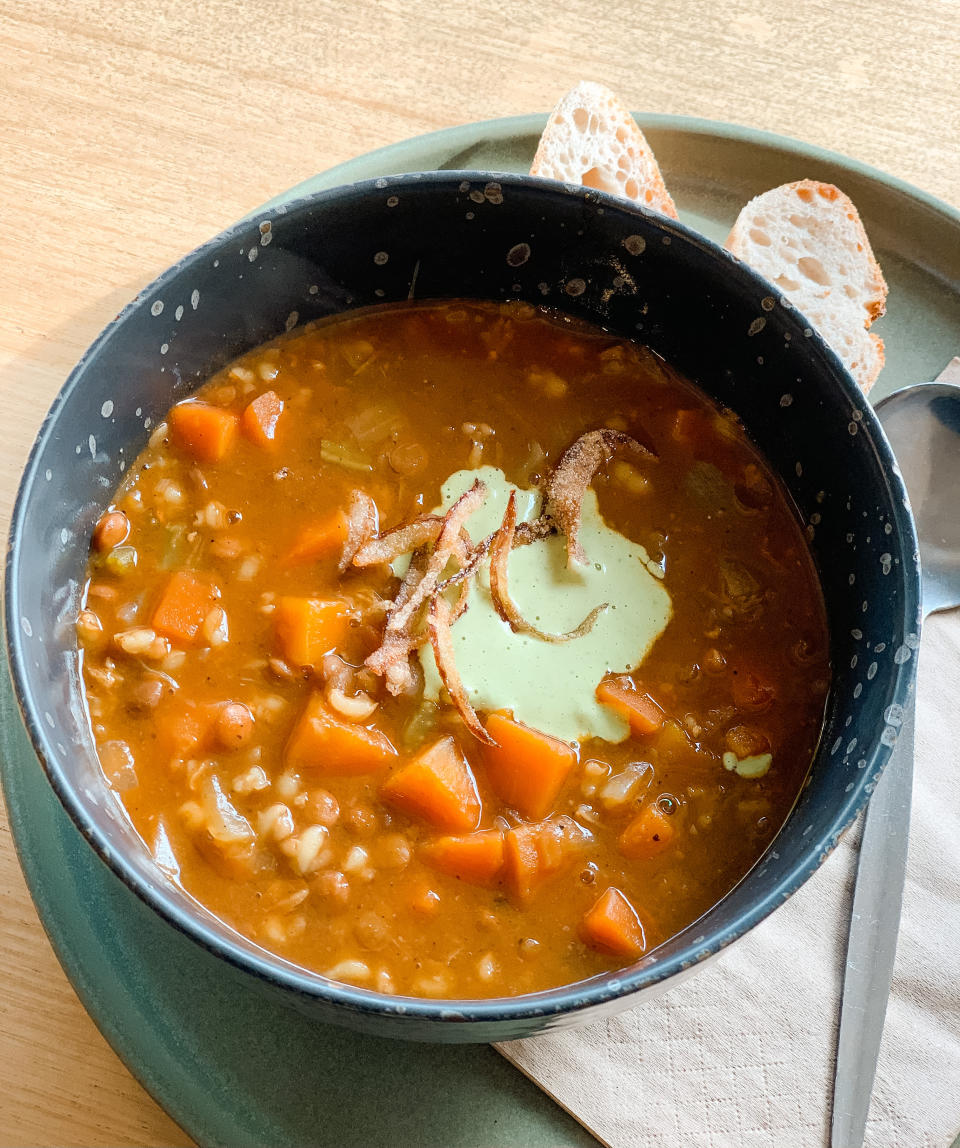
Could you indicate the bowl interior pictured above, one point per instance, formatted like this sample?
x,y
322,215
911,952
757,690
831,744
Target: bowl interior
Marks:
x,y
493,237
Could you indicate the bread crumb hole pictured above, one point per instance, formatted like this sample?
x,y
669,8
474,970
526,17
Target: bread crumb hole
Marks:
x,y
759,237
813,269
804,194
786,283
596,178
581,118
621,135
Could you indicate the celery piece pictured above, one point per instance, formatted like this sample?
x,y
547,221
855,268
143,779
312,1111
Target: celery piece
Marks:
x,y
358,353
347,457
173,547
707,485
121,560
422,725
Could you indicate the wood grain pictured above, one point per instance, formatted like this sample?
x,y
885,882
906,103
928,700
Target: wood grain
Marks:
x,y
131,132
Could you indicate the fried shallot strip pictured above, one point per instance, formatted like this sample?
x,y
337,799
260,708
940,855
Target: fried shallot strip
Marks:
x,y
400,540
362,522
439,620
447,546
529,532
499,588
470,561
391,659
569,479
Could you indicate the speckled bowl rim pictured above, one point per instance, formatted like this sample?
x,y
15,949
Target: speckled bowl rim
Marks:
x,y
567,999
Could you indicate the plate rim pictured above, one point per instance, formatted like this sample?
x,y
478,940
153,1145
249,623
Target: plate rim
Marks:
x,y
532,123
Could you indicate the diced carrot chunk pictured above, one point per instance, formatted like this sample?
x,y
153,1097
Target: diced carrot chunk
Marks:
x,y
205,431
690,426
181,727
522,862
527,768
320,539
648,834
613,926
675,747
476,858
324,743
746,740
534,852
674,741
437,786
640,710
261,418
308,628
751,691
186,600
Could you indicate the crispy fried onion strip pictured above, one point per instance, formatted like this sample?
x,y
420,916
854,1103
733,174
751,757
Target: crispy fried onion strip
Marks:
x,y
568,482
392,658
471,561
449,543
439,620
436,541
406,538
362,524
528,532
401,540
500,549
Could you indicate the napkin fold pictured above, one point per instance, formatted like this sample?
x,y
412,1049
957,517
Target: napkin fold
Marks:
x,y
742,1053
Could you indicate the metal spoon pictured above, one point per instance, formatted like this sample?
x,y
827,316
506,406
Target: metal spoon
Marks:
x,y
923,425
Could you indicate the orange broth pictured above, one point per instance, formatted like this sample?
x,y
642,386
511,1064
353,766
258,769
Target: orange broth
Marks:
x,y
261,760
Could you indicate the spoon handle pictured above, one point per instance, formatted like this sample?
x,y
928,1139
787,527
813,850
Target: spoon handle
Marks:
x,y
872,946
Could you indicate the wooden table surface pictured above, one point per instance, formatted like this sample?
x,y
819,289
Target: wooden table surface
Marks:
x,y
131,132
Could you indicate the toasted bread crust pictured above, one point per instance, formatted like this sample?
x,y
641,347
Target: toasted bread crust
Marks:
x,y
881,353
592,139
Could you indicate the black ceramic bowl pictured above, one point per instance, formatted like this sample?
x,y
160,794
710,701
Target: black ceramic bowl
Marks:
x,y
489,237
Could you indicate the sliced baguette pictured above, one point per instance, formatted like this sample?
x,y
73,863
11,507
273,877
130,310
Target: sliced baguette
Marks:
x,y
593,140
808,240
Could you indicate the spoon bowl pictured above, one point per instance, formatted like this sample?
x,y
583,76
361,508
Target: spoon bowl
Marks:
x,y
922,423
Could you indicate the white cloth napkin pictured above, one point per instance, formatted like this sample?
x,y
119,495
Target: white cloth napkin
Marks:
x,y
742,1054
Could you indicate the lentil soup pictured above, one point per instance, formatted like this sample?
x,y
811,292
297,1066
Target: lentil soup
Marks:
x,y
453,650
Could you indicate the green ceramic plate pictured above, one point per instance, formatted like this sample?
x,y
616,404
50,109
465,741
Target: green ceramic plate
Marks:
x,y
225,1061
